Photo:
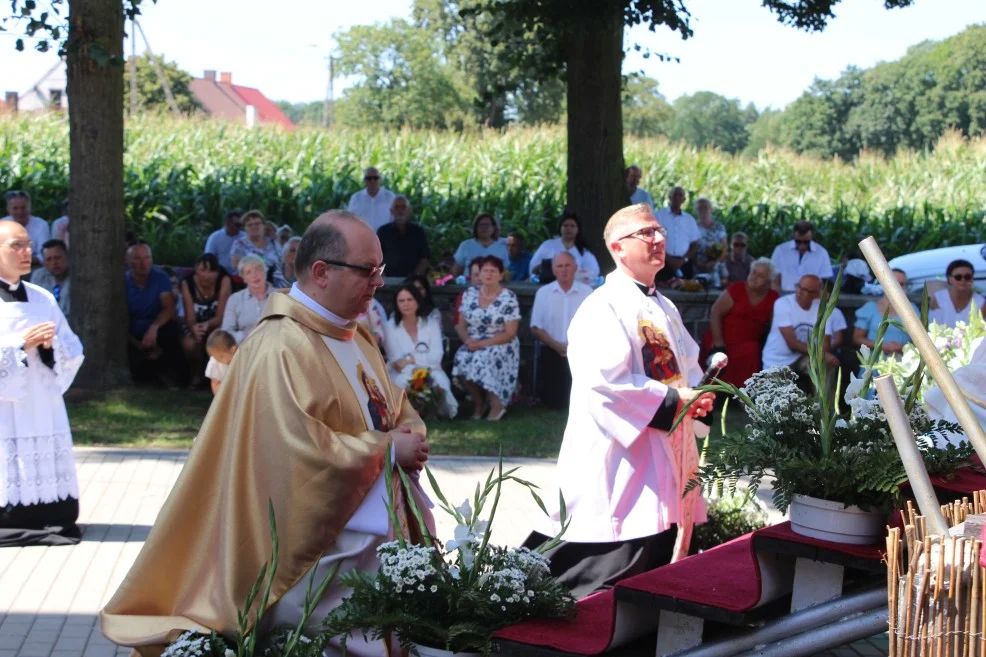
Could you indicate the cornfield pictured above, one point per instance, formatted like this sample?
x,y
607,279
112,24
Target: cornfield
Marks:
x,y
182,176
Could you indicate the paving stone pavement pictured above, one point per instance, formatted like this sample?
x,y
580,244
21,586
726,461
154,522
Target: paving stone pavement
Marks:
x,y
50,596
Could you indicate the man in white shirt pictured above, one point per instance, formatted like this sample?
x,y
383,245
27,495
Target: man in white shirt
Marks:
x,y
683,236
799,257
790,331
220,243
621,468
632,177
373,203
554,307
19,210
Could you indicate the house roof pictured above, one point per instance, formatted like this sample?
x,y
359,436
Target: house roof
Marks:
x,y
229,101
267,111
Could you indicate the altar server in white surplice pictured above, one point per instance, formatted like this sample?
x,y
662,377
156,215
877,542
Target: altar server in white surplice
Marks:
x,y
621,471
39,356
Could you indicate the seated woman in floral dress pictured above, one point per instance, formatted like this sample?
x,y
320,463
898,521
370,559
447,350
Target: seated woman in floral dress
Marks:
x,y
487,362
413,340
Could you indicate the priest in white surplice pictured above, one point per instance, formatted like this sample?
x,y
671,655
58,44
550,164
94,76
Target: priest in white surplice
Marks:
x,y
621,471
39,356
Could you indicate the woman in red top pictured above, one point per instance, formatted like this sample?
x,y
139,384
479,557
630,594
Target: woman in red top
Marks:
x,y
739,321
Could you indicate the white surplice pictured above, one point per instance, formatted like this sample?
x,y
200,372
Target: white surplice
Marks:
x,y
618,474
36,462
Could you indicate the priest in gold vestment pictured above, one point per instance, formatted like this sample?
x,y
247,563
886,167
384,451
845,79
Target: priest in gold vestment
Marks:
x,y
305,418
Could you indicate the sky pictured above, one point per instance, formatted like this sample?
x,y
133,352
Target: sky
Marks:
x,y
739,49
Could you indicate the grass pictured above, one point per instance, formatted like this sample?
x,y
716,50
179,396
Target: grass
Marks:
x,y
158,418
166,419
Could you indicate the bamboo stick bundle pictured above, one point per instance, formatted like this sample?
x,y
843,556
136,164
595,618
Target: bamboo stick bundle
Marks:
x,y
936,589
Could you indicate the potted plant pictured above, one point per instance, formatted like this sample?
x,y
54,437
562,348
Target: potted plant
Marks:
x,y
838,471
450,598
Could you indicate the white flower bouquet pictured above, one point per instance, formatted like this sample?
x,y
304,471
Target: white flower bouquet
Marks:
x,y
452,596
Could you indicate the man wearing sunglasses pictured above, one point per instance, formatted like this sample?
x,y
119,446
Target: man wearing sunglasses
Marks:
x,y
622,469
39,357
306,418
800,257
372,203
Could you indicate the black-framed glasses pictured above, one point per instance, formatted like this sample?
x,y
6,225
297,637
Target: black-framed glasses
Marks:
x,y
369,271
801,242
371,177
648,233
962,277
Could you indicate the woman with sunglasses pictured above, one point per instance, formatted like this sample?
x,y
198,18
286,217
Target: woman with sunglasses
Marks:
x,y
413,340
953,304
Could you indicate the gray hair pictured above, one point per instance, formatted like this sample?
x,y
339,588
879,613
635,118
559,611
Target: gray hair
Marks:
x,y
739,233
400,197
140,243
323,241
250,260
292,240
765,262
705,200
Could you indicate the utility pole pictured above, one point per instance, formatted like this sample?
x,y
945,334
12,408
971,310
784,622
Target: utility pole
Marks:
x,y
329,95
160,74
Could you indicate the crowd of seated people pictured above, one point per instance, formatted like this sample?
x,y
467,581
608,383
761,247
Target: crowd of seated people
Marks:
x,y
184,328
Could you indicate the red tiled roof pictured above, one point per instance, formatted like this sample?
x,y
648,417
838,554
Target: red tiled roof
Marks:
x,y
267,112
229,101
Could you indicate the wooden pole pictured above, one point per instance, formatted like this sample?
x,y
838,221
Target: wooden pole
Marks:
x,y
919,336
917,475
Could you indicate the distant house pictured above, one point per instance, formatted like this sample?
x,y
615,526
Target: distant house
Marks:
x,y
48,93
223,99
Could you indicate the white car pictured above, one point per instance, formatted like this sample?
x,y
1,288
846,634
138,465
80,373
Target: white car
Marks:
x,y
930,265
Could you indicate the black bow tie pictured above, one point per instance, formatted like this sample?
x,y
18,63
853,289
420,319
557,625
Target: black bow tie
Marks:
x,y
19,292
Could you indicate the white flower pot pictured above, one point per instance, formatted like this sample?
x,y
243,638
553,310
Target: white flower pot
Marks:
x,y
832,521
426,651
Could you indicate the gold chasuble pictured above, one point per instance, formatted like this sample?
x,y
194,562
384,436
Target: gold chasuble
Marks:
x,y
286,426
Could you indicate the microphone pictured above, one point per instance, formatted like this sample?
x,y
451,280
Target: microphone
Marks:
x,y
717,362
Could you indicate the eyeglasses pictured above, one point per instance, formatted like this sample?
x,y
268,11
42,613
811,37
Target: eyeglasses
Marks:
x,y
802,242
797,286
647,234
369,271
20,245
371,177
962,277
739,245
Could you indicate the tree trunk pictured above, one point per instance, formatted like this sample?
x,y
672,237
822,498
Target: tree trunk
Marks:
x,y
594,58
95,92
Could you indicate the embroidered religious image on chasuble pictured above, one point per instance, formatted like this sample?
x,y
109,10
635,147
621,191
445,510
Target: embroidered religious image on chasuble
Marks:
x,y
660,363
376,403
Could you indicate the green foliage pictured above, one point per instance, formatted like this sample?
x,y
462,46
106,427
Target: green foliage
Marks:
x,y
452,596
646,113
181,176
309,114
908,104
809,448
708,119
150,93
729,517
45,22
438,71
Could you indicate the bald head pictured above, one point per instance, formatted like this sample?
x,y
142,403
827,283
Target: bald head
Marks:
x,y
808,290
339,263
328,237
15,251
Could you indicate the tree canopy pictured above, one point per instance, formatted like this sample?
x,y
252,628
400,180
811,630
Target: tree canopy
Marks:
x,y
150,93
